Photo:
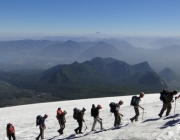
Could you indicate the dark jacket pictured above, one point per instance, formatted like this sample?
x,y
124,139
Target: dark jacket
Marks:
x,y
169,97
96,112
62,118
42,122
81,116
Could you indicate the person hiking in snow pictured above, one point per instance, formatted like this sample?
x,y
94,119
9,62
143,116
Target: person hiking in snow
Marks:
x,y
97,118
58,116
62,122
42,127
168,99
136,107
80,121
117,114
10,131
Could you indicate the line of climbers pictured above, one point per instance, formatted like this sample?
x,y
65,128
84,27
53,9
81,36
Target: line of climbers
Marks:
x,y
165,96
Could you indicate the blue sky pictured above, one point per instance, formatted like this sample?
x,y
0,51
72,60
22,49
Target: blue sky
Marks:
x,y
86,17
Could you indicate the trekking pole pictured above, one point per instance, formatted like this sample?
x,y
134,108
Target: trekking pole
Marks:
x,y
174,109
86,126
142,114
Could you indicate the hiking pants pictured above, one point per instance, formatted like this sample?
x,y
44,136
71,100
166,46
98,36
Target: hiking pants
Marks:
x,y
136,109
117,120
167,106
11,135
41,134
95,121
80,126
62,126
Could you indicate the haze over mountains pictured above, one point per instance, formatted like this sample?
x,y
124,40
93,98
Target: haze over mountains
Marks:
x,y
45,54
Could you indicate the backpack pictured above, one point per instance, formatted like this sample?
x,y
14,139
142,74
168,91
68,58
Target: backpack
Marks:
x,y
112,107
134,101
38,120
76,113
93,110
163,95
59,114
10,128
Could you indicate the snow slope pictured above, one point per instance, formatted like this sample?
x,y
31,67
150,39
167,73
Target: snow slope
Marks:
x,y
150,128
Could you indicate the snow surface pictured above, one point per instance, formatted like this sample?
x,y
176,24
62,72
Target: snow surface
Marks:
x,y
149,126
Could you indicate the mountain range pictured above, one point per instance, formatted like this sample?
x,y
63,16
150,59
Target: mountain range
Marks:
x,y
105,70
99,77
84,69
43,54
100,72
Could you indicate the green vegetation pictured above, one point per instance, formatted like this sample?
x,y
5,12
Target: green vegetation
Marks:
x,y
12,95
91,79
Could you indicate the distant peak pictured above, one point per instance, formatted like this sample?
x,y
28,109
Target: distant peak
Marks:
x,y
98,32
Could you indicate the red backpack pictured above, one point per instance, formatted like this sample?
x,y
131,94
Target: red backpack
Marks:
x,y
10,128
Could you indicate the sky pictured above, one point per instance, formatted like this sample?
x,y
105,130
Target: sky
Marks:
x,y
148,127
21,18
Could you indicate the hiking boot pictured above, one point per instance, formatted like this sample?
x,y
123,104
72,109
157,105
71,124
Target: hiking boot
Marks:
x,y
102,129
80,132
159,115
75,131
131,120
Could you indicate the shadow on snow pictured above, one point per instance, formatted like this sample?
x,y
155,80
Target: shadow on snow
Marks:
x,y
74,136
